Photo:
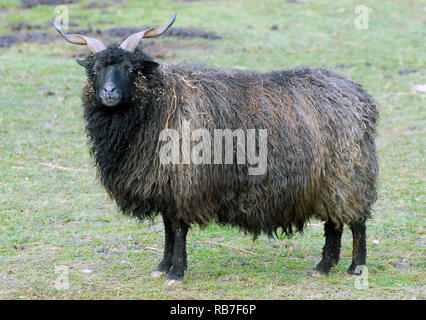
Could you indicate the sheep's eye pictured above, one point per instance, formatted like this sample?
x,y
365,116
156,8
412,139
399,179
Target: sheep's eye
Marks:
x,y
96,70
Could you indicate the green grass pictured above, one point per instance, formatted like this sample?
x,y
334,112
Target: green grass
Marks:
x,y
57,217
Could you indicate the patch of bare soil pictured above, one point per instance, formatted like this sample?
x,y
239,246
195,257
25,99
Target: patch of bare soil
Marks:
x,y
22,26
7,40
32,3
124,32
25,32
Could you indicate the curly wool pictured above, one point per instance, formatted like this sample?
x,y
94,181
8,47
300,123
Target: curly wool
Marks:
x,y
321,160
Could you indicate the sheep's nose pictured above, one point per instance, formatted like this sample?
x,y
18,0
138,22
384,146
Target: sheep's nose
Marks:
x,y
109,88
110,94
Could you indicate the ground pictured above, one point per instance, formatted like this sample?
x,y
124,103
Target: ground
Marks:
x,y
54,214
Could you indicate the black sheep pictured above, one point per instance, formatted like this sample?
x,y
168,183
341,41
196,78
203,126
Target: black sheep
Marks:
x,y
321,155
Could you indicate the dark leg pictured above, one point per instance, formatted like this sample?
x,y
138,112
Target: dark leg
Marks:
x,y
331,249
167,262
359,251
179,253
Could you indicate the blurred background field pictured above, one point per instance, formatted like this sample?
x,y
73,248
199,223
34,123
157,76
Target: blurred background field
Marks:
x,y
54,213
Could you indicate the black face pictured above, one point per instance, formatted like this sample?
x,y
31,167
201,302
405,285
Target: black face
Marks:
x,y
113,72
114,82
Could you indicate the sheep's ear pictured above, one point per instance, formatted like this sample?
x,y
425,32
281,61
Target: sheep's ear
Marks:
x,y
149,66
83,63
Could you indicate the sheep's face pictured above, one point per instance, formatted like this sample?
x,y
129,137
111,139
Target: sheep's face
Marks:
x,y
113,83
113,72
112,69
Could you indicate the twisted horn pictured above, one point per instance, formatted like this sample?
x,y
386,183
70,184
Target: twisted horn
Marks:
x,y
93,44
132,41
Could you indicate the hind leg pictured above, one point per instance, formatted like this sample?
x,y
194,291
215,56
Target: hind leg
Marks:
x,y
167,261
359,251
331,249
177,271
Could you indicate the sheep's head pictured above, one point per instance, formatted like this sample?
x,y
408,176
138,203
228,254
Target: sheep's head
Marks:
x,y
112,73
113,69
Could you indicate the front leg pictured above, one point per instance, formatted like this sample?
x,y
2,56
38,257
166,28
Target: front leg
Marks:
x,y
176,274
167,261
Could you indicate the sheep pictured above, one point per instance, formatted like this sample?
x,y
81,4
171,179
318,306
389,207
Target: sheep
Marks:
x,y
321,156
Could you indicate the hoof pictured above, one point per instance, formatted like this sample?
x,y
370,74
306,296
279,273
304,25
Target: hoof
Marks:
x,y
173,283
319,273
158,274
355,270
325,265
323,269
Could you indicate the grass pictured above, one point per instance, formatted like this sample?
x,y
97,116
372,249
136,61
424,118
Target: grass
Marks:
x,y
57,217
